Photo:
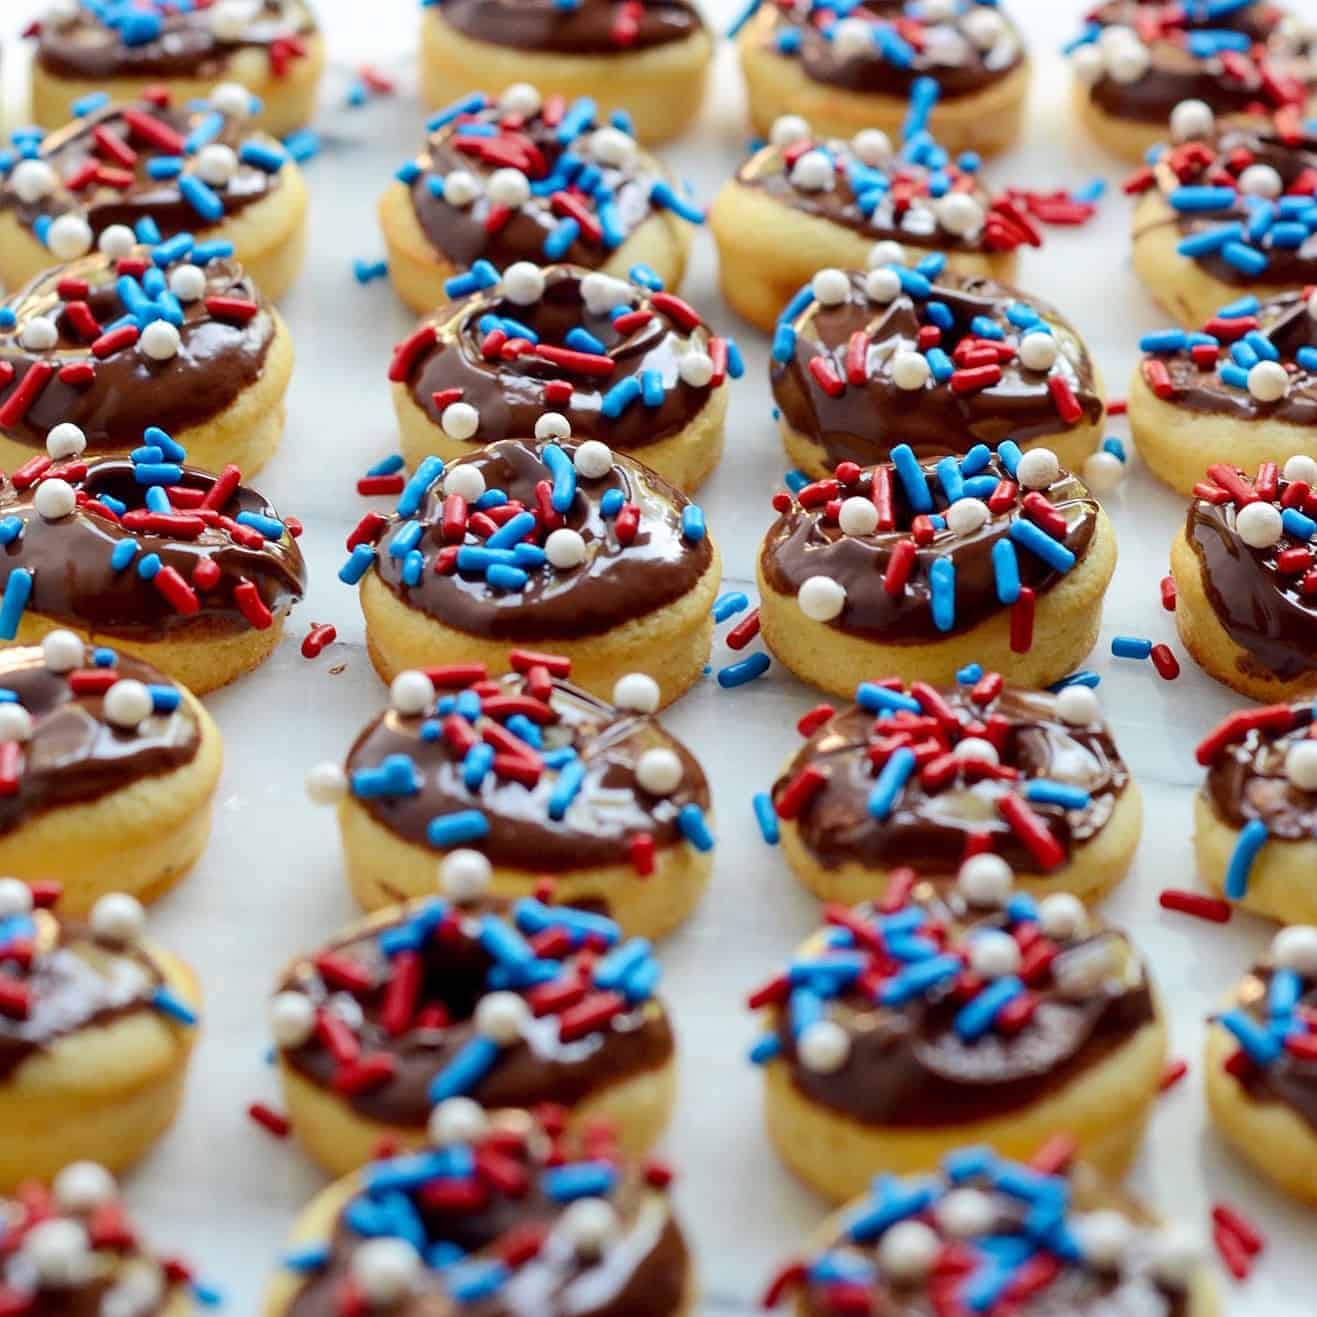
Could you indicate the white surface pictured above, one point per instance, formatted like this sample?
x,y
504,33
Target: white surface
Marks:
x,y
270,884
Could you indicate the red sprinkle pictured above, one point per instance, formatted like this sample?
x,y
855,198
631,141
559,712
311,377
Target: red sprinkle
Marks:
x,y
744,631
1174,1072
810,722
1064,400
15,407
1168,593
1243,1229
381,484
1022,614
1211,908
642,854
1047,852
797,793
251,605
1164,660
270,1119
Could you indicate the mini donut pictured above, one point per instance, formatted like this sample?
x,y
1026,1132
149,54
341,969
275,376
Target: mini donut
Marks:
x,y
72,1248
647,59
1133,64
1240,392
193,572
472,204
559,791
442,999
1219,215
986,1234
918,781
107,772
627,364
801,204
627,586
96,1030
930,358
1255,816
1261,1065
269,46
861,572
506,1206
1246,579
960,69
211,366
970,1016
149,170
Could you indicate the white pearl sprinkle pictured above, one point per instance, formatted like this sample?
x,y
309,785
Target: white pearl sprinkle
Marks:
x,y
459,420
966,1213
589,1223
386,1270
15,723
160,341
460,188
502,1016
1062,917
1192,119
908,1250
910,370
887,252
15,898
82,1186
1038,351
858,516
1295,948
611,146
959,213
659,771
465,875
55,499
216,164
593,459
229,19
508,187
1268,381
59,1252
520,98
1259,524
853,38
1301,466
1038,468
411,692
326,783
553,425
65,440
32,181
523,283
1177,1254
821,598
1078,705
38,334
813,172
232,100
696,369
882,286
823,1047
292,1019
1103,1238
636,691
1087,64
69,237
127,703
788,129
984,27
871,146
187,282
116,241
565,548
976,750
1261,181
1104,472
966,515
62,650
457,1121
118,918
1301,765
601,292
464,478
830,287
986,880
1128,64
994,954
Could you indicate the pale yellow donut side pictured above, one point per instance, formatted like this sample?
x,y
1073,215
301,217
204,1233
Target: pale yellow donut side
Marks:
x,y
1094,868
686,458
140,839
1066,623
288,102
662,87
104,1093
383,869
671,643
418,271
1282,883
987,121
1211,645
767,251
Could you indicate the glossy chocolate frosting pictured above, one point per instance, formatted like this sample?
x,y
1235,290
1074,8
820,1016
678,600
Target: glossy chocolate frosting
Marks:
x,y
589,27
1175,74
1264,610
909,1067
217,359
509,393
611,808
941,50
455,969
462,235
71,148
928,827
806,541
864,422
86,47
1247,781
74,580
616,582
1290,1080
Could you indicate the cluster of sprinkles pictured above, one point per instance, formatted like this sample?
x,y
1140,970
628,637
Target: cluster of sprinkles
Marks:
x,y
984,1235
497,729
553,1193
739,672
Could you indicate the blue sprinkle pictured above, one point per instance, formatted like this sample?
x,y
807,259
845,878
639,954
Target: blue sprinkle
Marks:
x,y
18,589
620,397
169,1003
746,670
575,1180
1083,677
1260,1044
873,698
148,568
942,585
969,674
365,272
891,781
429,470
694,827
911,476
1006,571
975,1018
692,524
1041,545
1044,792
1131,647
1195,199
1252,837
12,527
729,605
465,1070
766,817
358,564
563,471
611,503
201,198
447,830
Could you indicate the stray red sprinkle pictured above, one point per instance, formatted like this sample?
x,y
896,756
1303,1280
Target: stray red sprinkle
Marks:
x,y
1211,908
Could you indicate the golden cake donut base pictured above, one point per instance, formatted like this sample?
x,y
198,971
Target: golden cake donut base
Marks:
x,y
661,87
103,1093
987,121
316,1226
383,869
288,102
1105,1107
1211,645
686,458
140,839
418,270
1127,139
1282,882
1270,1135
1177,444
1094,868
671,643
767,251
268,237
1066,624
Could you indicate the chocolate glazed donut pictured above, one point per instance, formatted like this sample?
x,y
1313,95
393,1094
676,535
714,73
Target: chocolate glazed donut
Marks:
x,y
590,27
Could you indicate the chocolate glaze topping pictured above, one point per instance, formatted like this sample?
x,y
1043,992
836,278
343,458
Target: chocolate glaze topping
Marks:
x,y
188,45
1247,781
74,580
1265,611
929,825
460,234
942,50
909,1067
455,973
609,811
862,423
592,27
74,755
128,193
218,358
1289,1079
509,393
807,541
617,581
1175,74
